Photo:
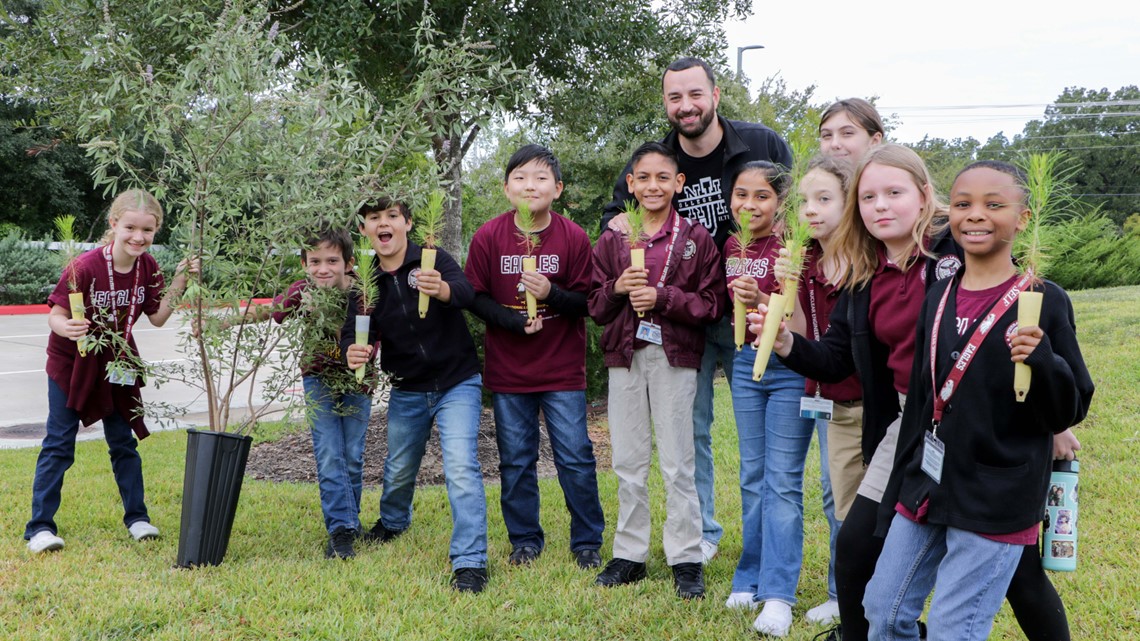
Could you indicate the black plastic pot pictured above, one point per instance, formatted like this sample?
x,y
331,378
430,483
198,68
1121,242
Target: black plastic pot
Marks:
x,y
215,467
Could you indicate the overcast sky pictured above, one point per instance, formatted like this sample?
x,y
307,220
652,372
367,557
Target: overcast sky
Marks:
x,y
915,55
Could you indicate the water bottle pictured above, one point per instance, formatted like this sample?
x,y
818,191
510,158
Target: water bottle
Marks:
x,y
1060,525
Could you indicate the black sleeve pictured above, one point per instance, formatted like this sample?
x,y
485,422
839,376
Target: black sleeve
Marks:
x,y
780,151
462,293
492,313
621,195
567,302
828,360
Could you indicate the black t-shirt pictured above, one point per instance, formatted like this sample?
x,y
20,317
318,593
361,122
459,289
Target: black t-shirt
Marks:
x,y
702,200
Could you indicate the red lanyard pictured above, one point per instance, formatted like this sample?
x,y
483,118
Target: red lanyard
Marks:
x,y
133,294
941,398
669,249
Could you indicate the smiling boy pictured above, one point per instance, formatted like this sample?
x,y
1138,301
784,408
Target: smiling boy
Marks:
x,y
435,378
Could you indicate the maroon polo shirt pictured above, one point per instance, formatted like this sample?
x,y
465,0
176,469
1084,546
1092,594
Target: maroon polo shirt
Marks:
x,y
896,299
554,359
826,296
84,379
758,261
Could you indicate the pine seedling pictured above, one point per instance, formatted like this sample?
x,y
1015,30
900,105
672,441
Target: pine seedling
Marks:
x,y
529,242
367,292
743,236
635,217
430,226
65,227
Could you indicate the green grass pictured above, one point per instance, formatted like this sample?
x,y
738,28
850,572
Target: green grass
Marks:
x,y
275,584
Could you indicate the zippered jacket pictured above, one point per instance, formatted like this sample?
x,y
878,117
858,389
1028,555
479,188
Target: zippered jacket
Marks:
x,y
428,354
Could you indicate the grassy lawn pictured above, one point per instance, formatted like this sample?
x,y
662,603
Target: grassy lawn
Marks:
x,y
275,583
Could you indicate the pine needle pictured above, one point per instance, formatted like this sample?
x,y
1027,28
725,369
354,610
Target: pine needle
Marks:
x,y
529,236
430,221
635,216
65,229
796,233
743,233
1049,196
366,276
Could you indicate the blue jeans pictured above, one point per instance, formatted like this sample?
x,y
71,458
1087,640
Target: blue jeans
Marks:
x,y
517,435
774,442
828,505
338,425
968,573
58,453
456,412
719,346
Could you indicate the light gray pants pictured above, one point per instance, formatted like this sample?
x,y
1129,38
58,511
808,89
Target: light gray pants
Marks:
x,y
651,388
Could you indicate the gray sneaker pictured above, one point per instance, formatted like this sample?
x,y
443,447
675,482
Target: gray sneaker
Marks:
x,y
45,541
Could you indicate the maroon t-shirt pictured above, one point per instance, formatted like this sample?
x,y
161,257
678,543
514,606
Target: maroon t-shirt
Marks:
x,y
290,303
825,295
971,304
759,262
554,359
84,379
896,299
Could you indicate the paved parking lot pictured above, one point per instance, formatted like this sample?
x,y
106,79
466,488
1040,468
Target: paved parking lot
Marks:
x,y
23,399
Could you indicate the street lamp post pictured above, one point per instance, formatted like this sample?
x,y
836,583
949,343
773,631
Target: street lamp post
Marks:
x,y
740,56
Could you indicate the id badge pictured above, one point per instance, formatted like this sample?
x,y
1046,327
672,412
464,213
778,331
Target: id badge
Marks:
x,y
121,375
933,451
649,332
816,407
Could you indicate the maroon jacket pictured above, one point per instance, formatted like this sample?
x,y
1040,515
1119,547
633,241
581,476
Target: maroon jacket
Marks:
x,y
692,297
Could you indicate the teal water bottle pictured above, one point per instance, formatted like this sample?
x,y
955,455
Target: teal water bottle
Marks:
x,y
1060,525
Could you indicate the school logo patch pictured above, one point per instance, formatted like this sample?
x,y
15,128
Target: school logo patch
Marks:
x,y
690,249
1010,332
946,267
414,279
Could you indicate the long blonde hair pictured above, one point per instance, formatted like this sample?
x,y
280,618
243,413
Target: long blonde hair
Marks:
x,y
138,200
853,245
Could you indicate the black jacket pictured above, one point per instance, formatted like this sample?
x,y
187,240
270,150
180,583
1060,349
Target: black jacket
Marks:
x,y
998,452
743,142
849,347
422,354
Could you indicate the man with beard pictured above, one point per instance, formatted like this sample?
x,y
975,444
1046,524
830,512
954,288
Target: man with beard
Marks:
x,y
710,150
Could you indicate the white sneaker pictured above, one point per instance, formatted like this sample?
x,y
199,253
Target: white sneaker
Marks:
x,y
741,601
825,612
45,541
142,530
775,620
708,551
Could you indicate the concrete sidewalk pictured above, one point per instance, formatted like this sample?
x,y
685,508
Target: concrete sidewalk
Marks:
x,y
23,404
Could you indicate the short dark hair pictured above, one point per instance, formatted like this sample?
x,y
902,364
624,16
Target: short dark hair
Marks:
x,y
777,176
681,64
336,237
529,153
653,148
380,204
1018,174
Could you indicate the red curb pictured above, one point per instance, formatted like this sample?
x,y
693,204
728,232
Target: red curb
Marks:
x,y
19,310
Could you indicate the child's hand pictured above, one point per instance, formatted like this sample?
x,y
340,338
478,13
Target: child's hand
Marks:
x,y
537,284
185,267
643,298
1065,445
357,355
620,224
76,328
632,278
533,326
1024,342
430,282
783,345
783,265
746,290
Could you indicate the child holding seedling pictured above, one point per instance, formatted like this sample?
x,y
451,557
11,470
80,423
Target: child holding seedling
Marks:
x,y
337,408
773,437
435,378
974,463
539,363
654,319
119,281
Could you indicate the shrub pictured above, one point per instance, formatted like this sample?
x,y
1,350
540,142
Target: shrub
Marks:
x,y
27,272
1088,252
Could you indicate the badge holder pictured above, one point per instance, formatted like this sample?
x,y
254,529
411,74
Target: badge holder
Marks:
x,y
816,407
649,332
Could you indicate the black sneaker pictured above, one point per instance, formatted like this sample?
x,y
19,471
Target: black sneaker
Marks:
x,y
380,534
689,579
524,555
831,634
620,572
469,579
588,559
340,544
921,629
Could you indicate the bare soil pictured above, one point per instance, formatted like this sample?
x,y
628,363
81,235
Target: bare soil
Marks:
x,y
290,458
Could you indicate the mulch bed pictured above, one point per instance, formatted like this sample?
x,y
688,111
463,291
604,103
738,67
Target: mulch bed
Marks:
x,y
290,458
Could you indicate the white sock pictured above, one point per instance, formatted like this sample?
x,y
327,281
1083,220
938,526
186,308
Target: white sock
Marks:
x,y
775,619
825,612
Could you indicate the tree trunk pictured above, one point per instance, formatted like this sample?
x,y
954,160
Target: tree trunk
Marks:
x,y
452,167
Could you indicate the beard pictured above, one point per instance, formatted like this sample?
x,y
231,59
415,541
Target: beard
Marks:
x,y
696,129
